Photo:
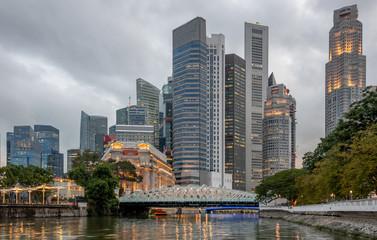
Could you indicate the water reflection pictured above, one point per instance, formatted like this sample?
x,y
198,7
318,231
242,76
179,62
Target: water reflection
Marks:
x,y
212,226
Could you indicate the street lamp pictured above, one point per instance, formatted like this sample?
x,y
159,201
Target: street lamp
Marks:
x,y
351,194
302,200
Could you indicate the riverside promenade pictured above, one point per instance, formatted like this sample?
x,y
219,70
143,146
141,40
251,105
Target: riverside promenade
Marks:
x,y
356,217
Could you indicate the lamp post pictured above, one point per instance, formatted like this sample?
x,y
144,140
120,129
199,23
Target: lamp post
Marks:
x,y
351,194
302,200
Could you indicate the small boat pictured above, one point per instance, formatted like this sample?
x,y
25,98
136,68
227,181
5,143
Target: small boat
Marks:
x,y
157,212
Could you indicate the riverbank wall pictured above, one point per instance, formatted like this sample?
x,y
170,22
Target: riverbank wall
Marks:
x,y
42,211
351,223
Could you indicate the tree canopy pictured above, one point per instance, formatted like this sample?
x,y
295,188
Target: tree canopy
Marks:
x,y
30,176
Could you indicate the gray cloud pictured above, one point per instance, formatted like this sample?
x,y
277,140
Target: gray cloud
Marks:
x,y
60,57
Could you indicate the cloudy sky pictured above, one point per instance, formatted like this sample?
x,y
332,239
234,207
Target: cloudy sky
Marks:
x,y
60,57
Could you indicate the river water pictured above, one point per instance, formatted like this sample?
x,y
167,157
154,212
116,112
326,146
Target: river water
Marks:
x,y
193,226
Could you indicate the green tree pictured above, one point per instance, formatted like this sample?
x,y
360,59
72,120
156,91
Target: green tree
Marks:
x,y
30,176
86,159
281,184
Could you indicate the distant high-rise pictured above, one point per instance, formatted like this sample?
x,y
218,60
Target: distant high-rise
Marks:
x,y
122,116
235,90
90,127
166,123
133,133
71,154
256,57
24,148
189,101
148,97
346,69
137,115
279,129
9,141
48,137
55,162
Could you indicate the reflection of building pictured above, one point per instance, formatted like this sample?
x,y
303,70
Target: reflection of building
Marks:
x,y
92,126
346,69
68,188
256,58
48,137
133,133
148,98
279,129
149,162
235,120
71,154
189,101
24,148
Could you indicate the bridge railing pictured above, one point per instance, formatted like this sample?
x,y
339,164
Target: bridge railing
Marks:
x,y
188,200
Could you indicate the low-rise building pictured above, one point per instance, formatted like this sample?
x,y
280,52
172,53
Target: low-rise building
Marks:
x,y
150,163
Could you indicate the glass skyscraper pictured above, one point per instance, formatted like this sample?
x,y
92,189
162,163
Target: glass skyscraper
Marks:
x,y
90,127
48,137
346,69
235,120
148,98
71,154
189,101
122,116
55,162
166,123
24,148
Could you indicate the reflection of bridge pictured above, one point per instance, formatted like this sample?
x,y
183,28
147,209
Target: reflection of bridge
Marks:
x,y
189,196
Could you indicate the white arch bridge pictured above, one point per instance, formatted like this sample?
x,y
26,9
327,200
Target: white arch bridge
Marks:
x,y
189,196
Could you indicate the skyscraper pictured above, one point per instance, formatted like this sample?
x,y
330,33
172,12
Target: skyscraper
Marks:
x,y
71,154
166,123
346,69
90,127
279,129
9,141
216,109
235,120
24,148
122,116
256,57
189,101
48,137
137,115
55,162
148,97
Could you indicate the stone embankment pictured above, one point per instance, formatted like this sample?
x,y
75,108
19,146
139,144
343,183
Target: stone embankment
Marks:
x,y
347,222
26,210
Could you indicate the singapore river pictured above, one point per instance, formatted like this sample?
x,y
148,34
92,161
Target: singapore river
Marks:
x,y
194,226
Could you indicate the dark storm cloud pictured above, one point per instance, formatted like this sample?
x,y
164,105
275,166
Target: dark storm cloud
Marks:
x,y
60,57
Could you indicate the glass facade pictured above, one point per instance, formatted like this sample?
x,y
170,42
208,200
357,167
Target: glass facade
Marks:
x,y
55,162
48,137
90,127
166,122
25,150
71,154
9,141
189,101
148,98
235,120
122,116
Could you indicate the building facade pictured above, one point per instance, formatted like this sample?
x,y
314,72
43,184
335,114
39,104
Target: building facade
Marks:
x,y
9,142
189,101
235,90
133,133
148,98
24,148
122,116
346,69
71,154
166,123
279,129
55,162
48,137
256,58
150,163
90,127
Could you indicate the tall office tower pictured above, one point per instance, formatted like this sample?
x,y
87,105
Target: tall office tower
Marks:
x,y
24,147
189,101
256,58
279,129
166,123
122,116
90,127
148,97
71,154
215,110
9,140
137,115
133,133
48,137
346,69
235,90
55,162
